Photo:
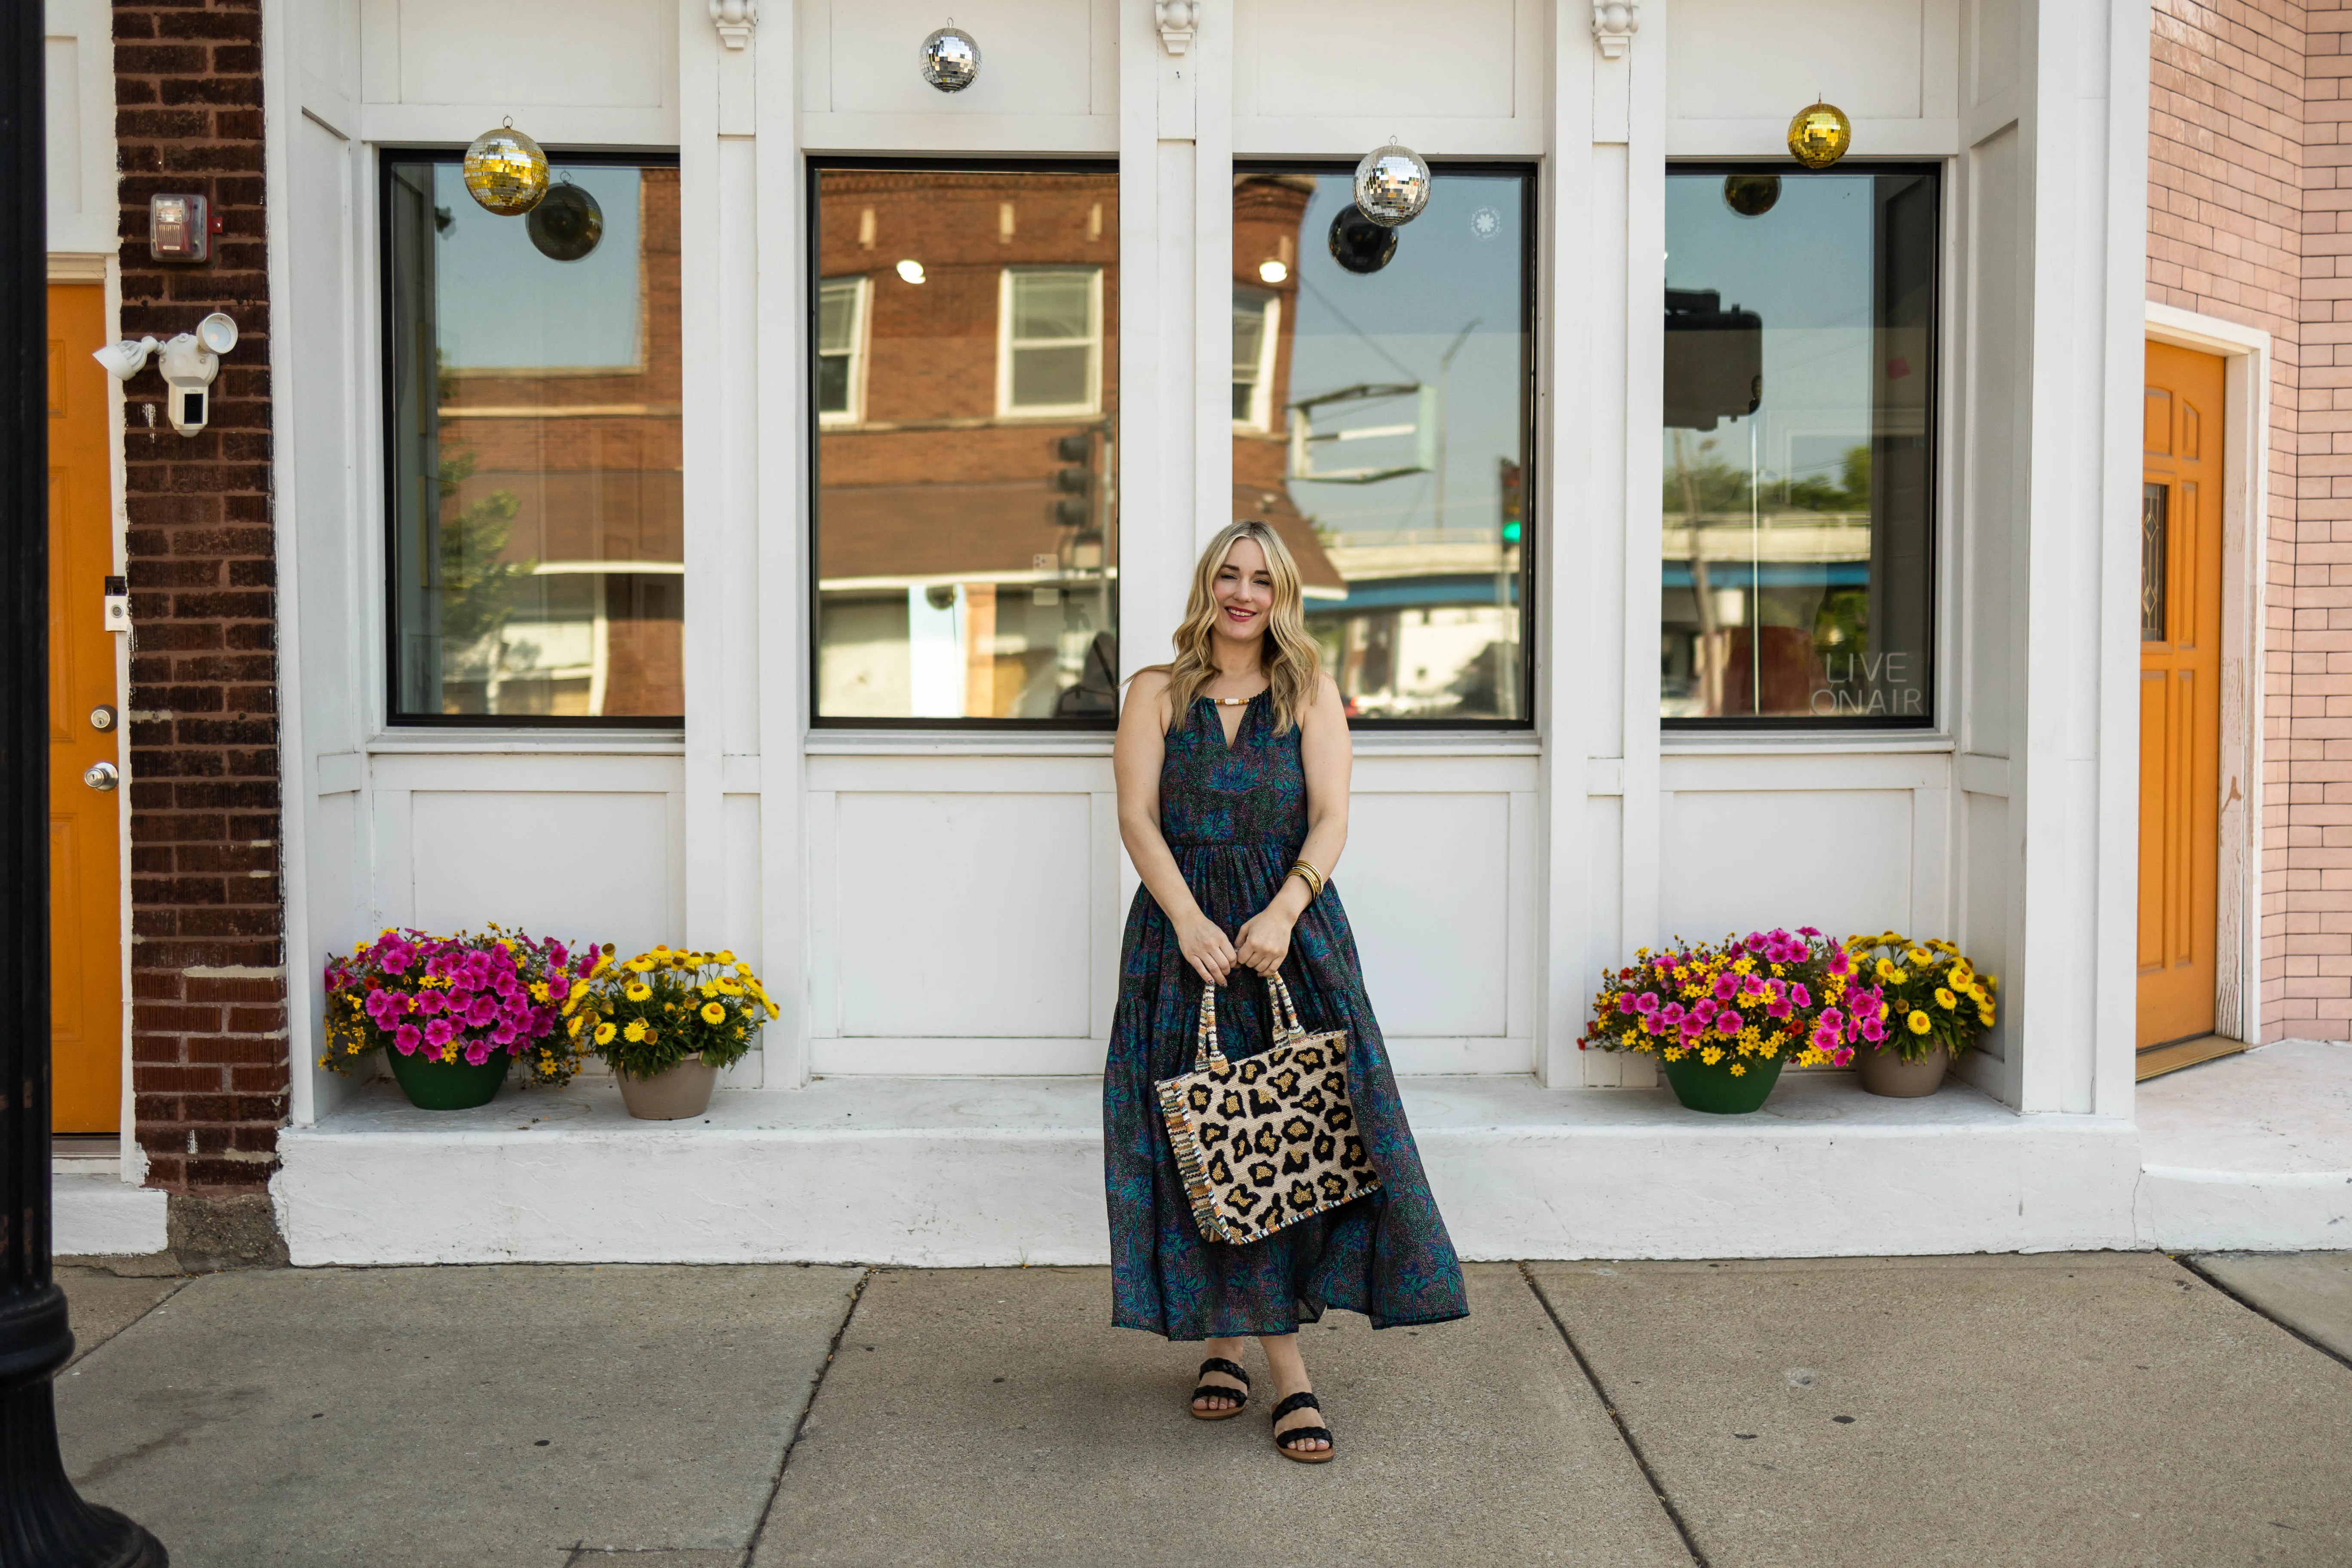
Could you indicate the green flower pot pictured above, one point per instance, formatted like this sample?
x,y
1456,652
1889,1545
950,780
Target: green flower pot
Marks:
x,y
1717,1089
447,1086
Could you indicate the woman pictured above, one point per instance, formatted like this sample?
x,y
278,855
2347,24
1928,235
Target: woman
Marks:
x,y
1232,767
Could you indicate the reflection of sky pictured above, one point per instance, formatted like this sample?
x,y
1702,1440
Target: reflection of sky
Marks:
x,y
502,304
1805,268
1392,326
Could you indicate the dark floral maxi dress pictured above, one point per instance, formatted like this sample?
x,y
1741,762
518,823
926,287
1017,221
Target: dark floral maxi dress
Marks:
x,y
1235,817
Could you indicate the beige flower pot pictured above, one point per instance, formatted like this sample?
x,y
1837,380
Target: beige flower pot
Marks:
x,y
1883,1072
670,1095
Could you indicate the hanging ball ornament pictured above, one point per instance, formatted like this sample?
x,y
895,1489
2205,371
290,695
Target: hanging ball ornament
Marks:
x,y
568,225
1820,135
506,172
1751,195
1360,245
1391,185
951,59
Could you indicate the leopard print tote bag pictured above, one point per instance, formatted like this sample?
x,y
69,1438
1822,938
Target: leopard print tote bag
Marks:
x,y
1264,1141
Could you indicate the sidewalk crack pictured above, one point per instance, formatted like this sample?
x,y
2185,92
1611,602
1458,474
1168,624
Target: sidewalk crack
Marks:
x,y
800,1425
1624,1433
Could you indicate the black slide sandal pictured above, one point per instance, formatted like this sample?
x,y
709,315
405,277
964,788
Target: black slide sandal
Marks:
x,y
1240,1396
1283,1440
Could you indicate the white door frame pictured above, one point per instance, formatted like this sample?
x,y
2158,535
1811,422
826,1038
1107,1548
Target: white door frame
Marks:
x,y
2245,353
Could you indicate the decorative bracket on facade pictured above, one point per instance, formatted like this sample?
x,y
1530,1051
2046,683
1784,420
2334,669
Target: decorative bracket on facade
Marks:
x,y
1178,20
1614,23
735,19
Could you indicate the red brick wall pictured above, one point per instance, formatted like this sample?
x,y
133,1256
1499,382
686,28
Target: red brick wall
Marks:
x,y
208,1013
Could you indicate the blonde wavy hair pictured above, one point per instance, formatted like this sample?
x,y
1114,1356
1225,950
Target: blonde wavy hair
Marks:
x,y
1293,660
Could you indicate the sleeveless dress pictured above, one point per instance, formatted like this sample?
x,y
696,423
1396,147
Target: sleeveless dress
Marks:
x,y
1234,817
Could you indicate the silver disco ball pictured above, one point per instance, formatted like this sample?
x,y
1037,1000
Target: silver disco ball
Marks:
x,y
951,59
1391,185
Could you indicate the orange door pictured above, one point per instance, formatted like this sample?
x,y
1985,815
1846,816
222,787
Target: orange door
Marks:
x,y
85,842
2180,693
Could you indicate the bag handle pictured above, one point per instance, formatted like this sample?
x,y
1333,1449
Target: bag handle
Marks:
x,y
1208,1051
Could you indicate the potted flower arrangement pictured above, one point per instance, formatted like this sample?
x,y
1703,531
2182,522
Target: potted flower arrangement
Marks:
x,y
1938,1005
451,1014
669,1021
1723,1018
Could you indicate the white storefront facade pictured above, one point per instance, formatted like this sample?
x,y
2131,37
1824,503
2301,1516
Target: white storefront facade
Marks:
x,y
937,904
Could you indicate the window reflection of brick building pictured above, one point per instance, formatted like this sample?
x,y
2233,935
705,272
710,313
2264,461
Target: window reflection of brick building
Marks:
x,y
1269,211
581,468
966,448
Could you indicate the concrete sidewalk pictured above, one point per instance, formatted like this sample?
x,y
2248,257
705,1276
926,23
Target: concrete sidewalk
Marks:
x,y
2084,1410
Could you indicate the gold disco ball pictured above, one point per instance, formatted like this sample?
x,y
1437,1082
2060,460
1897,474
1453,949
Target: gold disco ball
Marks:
x,y
506,172
1820,135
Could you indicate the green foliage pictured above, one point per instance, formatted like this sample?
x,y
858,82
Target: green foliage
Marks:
x,y
476,587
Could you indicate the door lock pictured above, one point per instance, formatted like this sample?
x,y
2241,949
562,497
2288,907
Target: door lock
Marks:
x,y
103,717
101,777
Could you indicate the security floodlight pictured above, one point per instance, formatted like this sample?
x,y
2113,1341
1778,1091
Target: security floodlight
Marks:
x,y
128,358
218,332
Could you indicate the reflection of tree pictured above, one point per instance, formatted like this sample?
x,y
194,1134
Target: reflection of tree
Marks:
x,y
477,586
1699,484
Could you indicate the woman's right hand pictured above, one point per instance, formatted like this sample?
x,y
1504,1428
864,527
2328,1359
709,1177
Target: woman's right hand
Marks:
x,y
1205,947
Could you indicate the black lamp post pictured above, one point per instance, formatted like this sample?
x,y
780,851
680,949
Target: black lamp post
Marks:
x,y
44,1523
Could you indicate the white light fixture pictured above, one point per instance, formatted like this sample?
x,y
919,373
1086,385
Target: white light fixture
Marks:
x,y
126,358
1273,271
911,271
190,361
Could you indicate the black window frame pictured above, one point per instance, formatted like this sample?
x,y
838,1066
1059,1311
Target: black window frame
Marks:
x,y
817,167
388,432
1812,726
1531,516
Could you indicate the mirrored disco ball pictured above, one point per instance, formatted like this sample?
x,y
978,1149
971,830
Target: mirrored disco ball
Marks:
x,y
1360,245
1820,135
567,225
506,172
951,60
1391,185
1751,195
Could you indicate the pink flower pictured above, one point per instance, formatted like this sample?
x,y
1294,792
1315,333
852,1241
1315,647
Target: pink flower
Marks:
x,y
1802,998
1871,1029
1692,1028
1841,963
439,1032
1708,1008
1673,1012
1779,1008
1627,1005
1645,1003
1726,984
482,1012
1730,1023
1651,1026
1807,931
407,1038
478,1053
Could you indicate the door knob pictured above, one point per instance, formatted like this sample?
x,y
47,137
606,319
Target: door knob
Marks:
x,y
101,776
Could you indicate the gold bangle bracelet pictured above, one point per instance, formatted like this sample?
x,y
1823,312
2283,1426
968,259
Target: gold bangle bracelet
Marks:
x,y
1306,872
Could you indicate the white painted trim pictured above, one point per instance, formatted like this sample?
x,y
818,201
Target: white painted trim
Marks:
x,y
2245,353
82,267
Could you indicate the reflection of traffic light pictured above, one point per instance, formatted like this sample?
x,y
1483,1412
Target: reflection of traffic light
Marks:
x,y
1715,359
1513,487
1075,482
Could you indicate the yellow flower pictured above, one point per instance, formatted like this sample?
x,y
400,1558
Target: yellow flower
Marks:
x,y
1919,1024
539,990
579,989
635,1032
729,988
661,949
709,988
726,955
1984,1016
1899,976
605,1033
573,1029
1738,1068
639,966
771,1007
1945,1000
1921,957
1672,1052
637,991
1710,1055
1962,975
1885,970
714,1013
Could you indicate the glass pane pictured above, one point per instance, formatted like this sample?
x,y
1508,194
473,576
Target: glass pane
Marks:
x,y
966,559
1389,446
536,542
832,384
2155,502
1052,305
837,315
1798,381
1050,378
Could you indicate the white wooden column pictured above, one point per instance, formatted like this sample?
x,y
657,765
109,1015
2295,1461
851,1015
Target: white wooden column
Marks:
x,y
702,400
782,589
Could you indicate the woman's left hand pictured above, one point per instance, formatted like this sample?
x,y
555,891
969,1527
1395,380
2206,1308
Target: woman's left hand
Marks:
x,y
1265,941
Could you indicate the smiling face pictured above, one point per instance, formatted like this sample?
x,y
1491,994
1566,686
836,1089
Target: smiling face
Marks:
x,y
1244,592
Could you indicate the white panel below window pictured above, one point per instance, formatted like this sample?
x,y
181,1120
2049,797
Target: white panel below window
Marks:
x,y
1426,878
1742,860
584,866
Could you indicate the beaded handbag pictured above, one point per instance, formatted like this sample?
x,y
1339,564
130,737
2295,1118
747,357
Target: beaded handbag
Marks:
x,y
1264,1141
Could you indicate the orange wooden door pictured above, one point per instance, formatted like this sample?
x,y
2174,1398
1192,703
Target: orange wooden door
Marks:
x,y
2180,693
85,840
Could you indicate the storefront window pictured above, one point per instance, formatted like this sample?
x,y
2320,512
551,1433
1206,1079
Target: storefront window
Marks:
x,y
965,383
1799,414
534,460
1382,408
